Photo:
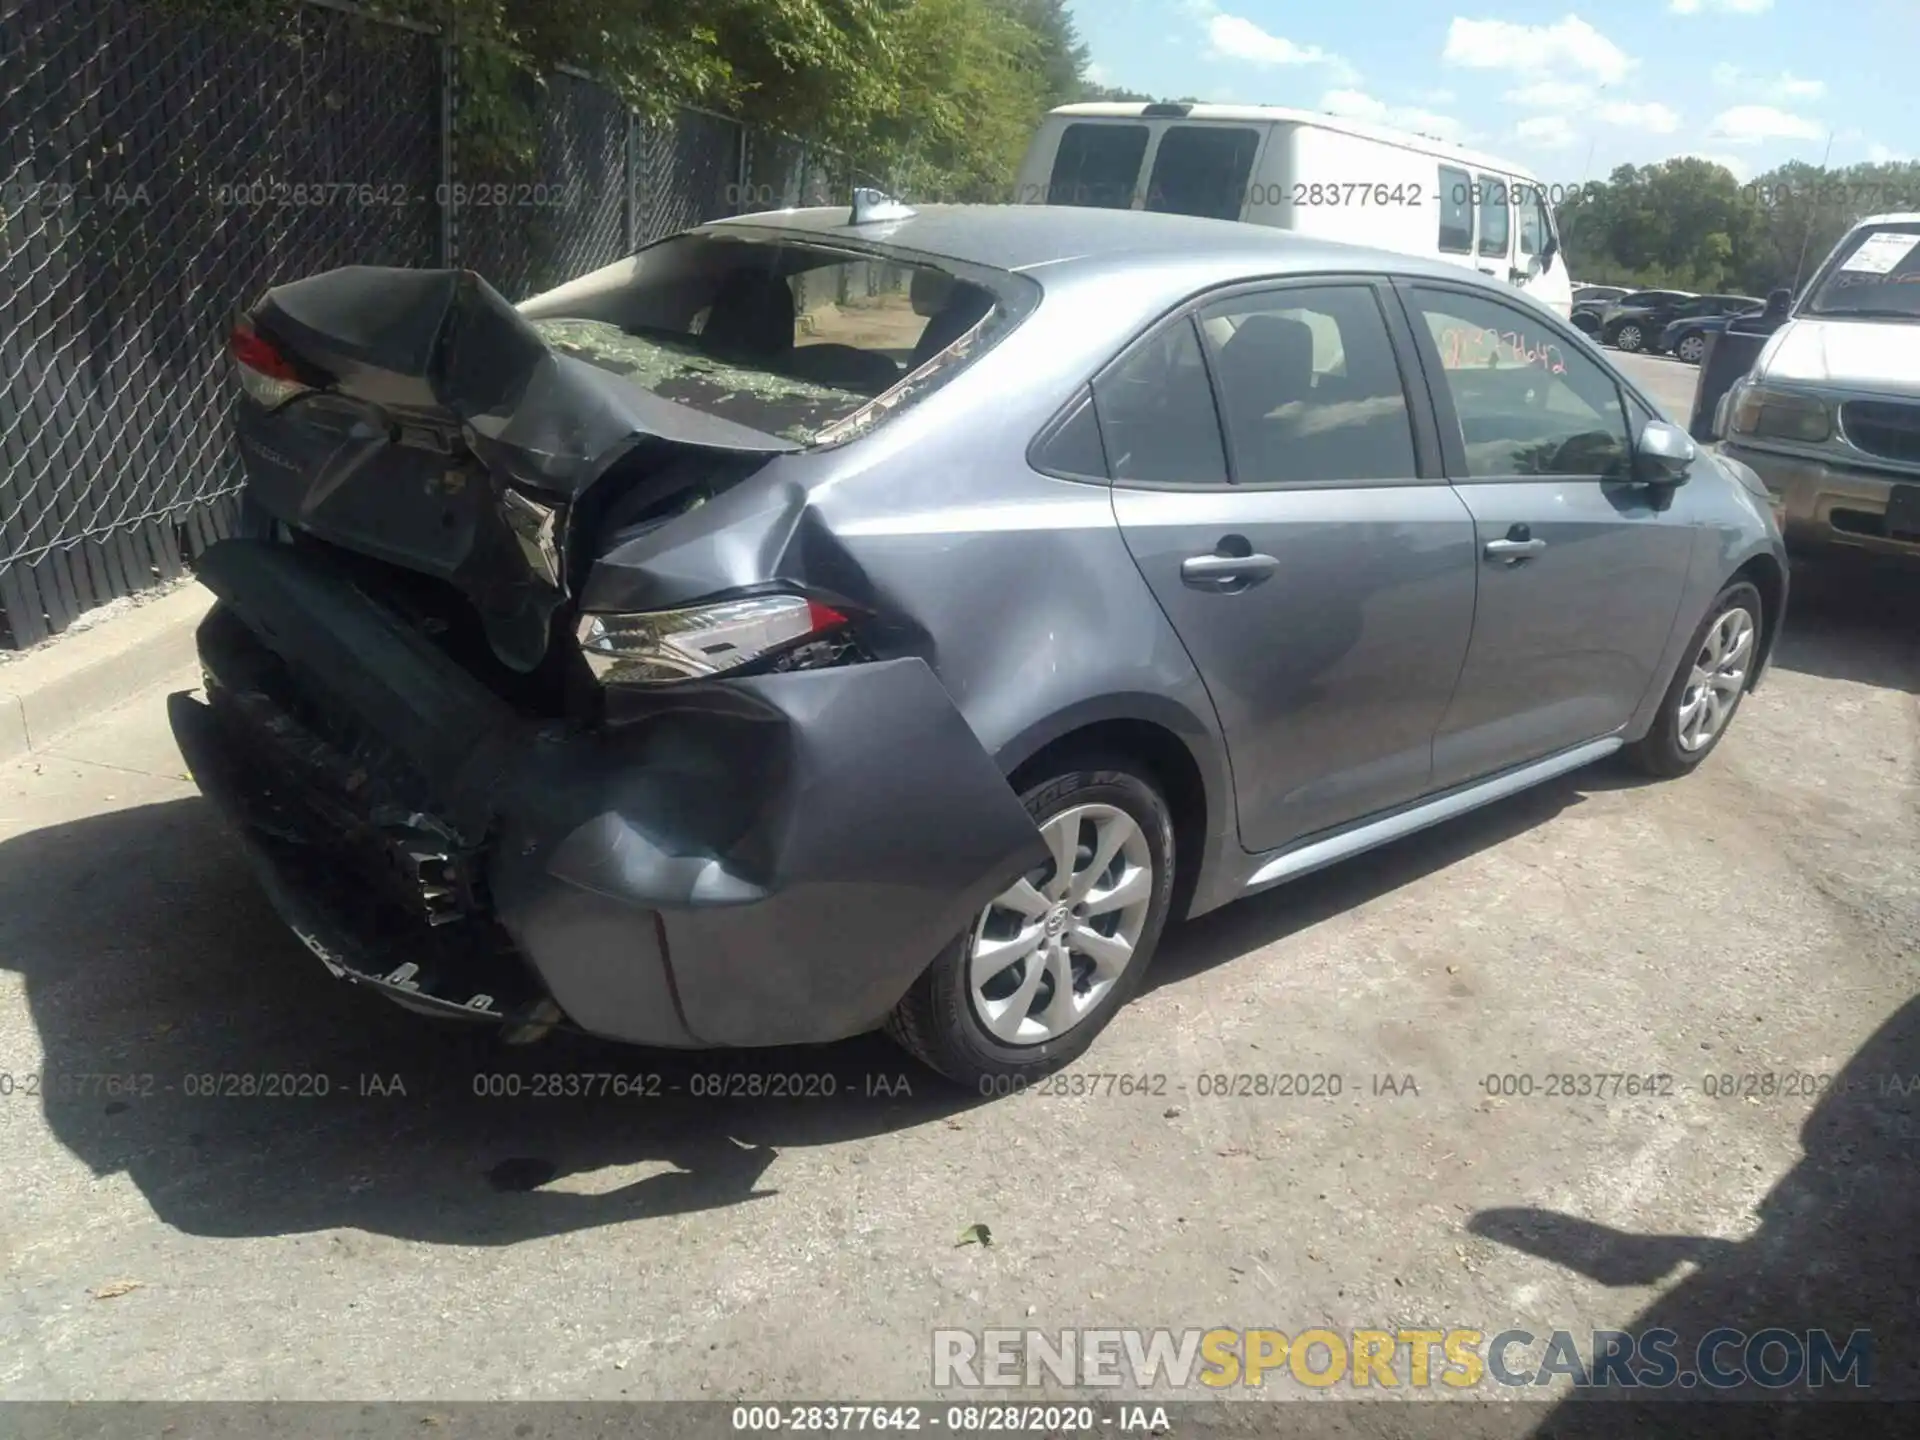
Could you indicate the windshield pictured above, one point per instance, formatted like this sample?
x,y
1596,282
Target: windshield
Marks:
x,y
1874,275
792,339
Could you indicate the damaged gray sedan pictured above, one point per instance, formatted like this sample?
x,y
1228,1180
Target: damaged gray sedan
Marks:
x,y
826,621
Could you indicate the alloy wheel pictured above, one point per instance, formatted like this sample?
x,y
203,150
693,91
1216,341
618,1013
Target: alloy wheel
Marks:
x,y
1691,349
1719,674
1049,949
1627,337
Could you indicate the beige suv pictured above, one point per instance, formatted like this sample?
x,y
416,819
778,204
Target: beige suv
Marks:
x,y
1829,416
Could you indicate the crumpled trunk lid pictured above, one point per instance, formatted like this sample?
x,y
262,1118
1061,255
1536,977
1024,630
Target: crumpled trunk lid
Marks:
x,y
446,436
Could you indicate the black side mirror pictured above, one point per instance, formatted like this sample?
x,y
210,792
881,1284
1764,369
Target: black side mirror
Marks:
x,y
1778,303
1664,454
1549,249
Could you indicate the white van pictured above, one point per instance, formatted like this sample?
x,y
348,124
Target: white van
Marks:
x,y
1319,175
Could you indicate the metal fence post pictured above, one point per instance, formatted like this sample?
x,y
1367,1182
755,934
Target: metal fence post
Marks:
x,y
449,237
629,219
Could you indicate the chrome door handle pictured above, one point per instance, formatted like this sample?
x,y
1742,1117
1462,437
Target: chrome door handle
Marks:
x,y
1513,551
1205,569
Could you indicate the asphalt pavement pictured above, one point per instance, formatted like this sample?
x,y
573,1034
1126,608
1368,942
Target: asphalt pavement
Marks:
x,y
229,1176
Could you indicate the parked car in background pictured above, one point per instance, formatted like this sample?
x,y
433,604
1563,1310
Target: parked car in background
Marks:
x,y
1677,337
1589,302
1686,337
1311,173
1635,318
1829,414
640,660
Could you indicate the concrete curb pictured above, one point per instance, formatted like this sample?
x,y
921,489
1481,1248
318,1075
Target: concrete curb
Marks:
x,y
46,692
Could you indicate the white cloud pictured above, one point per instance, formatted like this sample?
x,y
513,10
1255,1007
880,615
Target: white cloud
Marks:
x,y
1569,44
1750,124
1233,37
1098,74
1724,7
1551,95
1651,116
1547,132
1357,105
1435,97
1880,154
1784,86
1738,164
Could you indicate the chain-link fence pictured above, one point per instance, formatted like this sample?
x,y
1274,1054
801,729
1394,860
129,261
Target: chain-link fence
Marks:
x,y
159,171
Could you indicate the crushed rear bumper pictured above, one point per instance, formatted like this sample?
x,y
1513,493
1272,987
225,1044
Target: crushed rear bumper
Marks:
x,y
768,860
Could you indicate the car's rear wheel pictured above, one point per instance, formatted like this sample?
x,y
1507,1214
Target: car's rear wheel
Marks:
x,y
1630,338
1691,347
1052,958
1714,673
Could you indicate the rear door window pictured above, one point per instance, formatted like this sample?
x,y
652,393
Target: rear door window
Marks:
x,y
1496,214
1456,211
1203,170
1097,166
1309,389
1157,418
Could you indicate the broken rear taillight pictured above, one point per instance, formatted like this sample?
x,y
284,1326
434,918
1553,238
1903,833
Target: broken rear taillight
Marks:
x,y
265,374
659,647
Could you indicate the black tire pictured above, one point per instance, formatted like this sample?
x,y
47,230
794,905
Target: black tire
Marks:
x,y
1630,338
1659,752
1680,347
936,1020
1586,325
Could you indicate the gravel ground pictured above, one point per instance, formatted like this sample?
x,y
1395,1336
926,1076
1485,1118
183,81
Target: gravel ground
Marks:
x,y
405,1237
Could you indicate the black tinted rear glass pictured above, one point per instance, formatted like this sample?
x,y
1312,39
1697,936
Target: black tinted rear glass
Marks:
x,y
1202,170
1456,211
1074,447
1097,166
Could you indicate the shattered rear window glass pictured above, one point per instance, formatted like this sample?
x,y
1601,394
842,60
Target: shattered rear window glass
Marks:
x,y
677,369
805,341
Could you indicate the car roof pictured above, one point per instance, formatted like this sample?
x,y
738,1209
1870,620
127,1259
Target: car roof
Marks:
x,y
1267,114
1137,243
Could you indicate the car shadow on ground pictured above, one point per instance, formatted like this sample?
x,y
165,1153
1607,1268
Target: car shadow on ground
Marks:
x,y
1234,930
1835,1250
154,970
1853,620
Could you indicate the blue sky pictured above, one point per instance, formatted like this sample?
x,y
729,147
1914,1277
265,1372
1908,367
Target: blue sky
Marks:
x,y
1570,92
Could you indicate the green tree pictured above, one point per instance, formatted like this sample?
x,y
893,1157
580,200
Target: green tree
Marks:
x,y
969,97
1690,224
942,94
1055,47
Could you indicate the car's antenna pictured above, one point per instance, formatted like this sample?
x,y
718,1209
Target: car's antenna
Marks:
x,y
1806,237
870,206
